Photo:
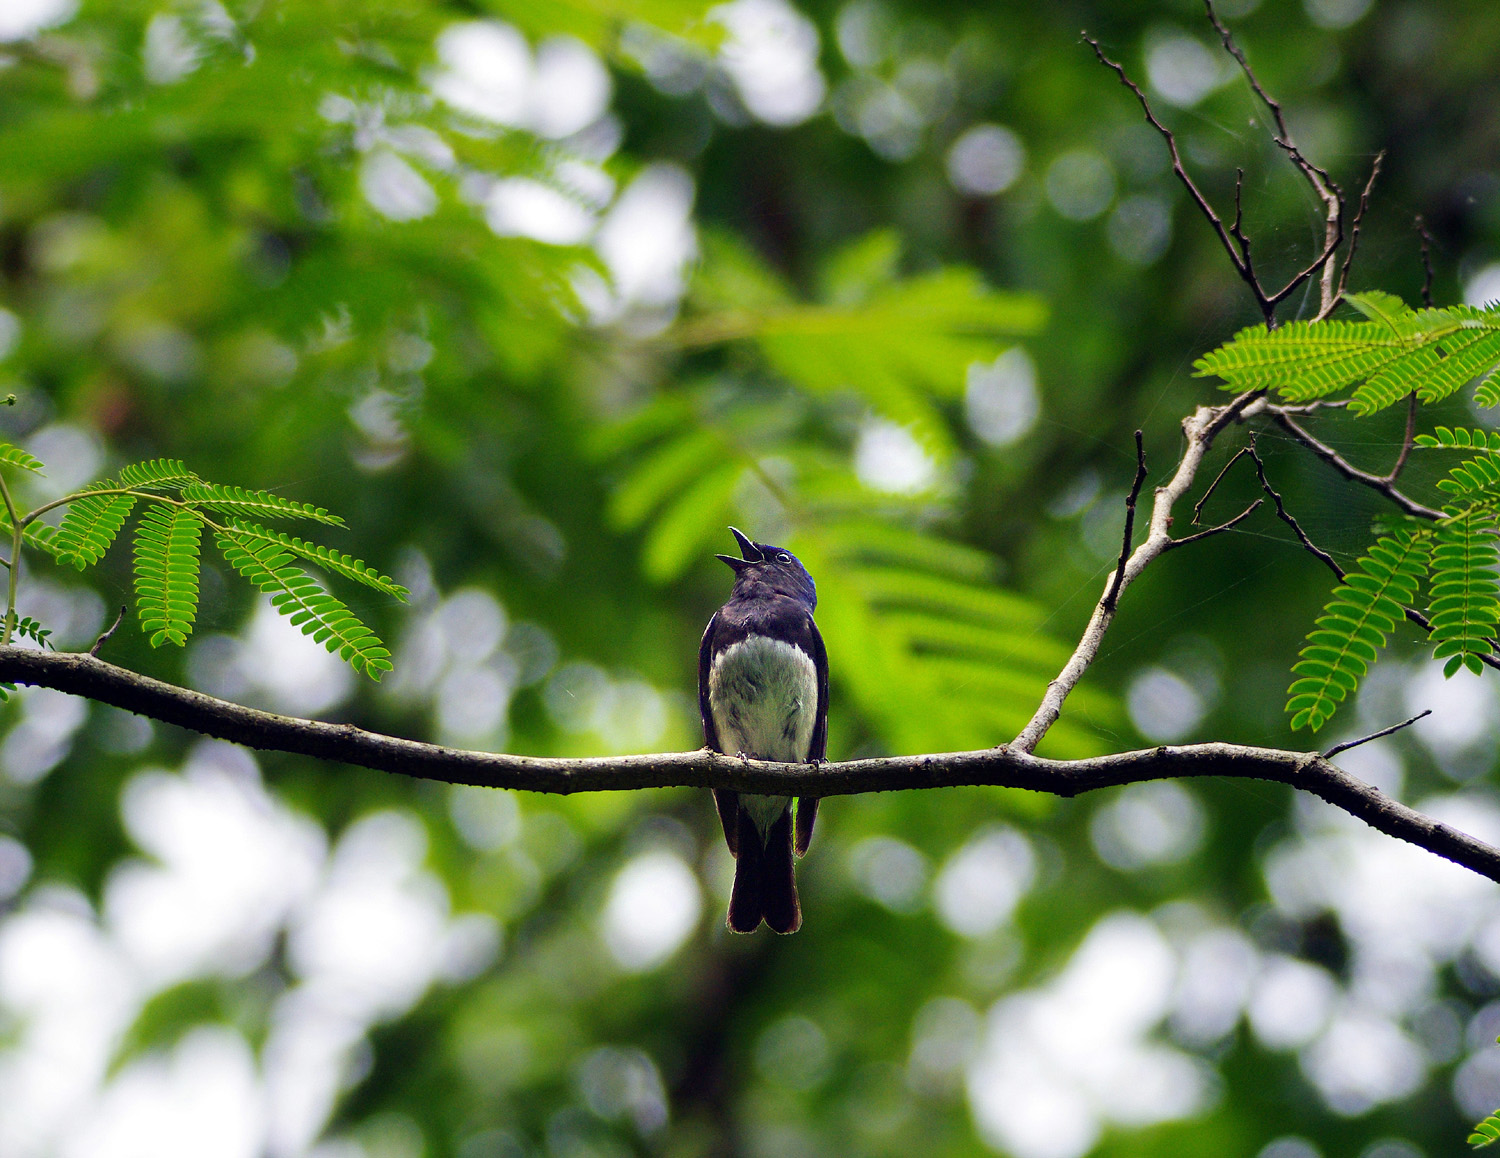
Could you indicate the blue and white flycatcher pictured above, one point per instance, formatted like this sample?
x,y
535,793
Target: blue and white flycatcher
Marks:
x,y
763,693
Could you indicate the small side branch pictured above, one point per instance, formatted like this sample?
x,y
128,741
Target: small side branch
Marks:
x,y
1426,237
113,627
1286,517
1408,439
1234,242
1381,483
1211,531
1359,217
1318,179
1200,430
1347,744
1113,594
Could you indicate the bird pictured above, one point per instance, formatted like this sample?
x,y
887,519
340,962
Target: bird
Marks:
x,y
763,694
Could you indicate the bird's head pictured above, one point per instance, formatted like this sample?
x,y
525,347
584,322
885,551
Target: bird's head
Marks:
x,y
776,568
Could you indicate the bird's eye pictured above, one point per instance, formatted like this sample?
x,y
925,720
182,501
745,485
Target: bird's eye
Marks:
x,y
783,557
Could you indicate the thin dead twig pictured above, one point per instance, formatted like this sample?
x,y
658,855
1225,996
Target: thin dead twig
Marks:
x,y
1333,458
1324,186
1220,529
1113,593
113,627
1426,261
1359,217
1347,744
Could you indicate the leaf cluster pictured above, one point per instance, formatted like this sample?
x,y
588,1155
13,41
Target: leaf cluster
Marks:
x,y
1448,566
174,507
1395,352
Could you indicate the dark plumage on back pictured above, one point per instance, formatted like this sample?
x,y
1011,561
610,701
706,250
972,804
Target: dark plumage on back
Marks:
x,y
763,693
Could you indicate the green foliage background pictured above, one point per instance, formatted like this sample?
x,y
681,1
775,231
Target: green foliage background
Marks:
x,y
197,274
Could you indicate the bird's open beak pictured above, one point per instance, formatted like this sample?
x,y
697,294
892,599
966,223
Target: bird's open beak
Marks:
x,y
748,549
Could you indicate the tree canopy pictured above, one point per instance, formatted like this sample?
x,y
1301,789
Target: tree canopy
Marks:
x,y
538,298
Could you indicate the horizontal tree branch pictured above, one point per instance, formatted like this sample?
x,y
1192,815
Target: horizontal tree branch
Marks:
x,y
1005,766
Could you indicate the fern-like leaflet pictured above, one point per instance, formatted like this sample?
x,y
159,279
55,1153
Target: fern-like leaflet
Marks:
x,y
326,558
1471,476
1465,595
166,572
38,535
1487,1132
1459,438
157,474
15,456
29,628
1362,613
90,526
296,594
1400,351
253,504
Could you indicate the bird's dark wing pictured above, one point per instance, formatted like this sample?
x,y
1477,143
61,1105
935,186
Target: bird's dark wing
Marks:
x,y
817,750
726,803
705,661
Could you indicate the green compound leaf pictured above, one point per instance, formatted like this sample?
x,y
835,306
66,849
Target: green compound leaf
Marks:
x,y
38,535
1486,1132
166,572
1459,438
1471,475
32,629
1487,393
297,595
328,559
157,474
1464,592
254,504
90,526
15,456
1399,351
1363,611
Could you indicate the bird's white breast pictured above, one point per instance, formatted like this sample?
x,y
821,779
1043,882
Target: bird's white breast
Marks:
x,y
763,693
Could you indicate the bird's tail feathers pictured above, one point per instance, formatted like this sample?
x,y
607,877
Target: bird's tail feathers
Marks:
x,y
764,884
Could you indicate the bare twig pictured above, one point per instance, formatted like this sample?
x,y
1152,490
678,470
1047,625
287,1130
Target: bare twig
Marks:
x,y
1135,492
1347,744
1408,439
1222,527
1334,459
1286,516
1322,184
1200,429
1359,216
1234,243
84,675
1426,261
113,627
1213,486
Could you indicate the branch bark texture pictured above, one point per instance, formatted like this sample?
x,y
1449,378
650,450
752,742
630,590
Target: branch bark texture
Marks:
x,y
1005,766
1200,429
